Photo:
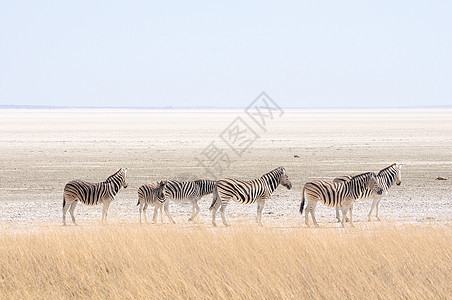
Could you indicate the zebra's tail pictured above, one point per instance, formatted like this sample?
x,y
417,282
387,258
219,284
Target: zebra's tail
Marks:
x,y
64,201
302,201
216,197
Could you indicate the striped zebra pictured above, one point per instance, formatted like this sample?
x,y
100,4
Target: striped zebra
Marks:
x,y
191,191
93,193
153,195
386,178
337,194
247,192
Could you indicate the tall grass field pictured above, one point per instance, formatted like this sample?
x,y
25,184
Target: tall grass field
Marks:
x,y
173,262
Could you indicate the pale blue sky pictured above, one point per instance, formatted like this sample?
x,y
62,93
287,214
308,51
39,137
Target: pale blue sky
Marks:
x,y
192,53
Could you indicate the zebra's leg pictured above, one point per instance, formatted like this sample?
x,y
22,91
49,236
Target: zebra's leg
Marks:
x,y
105,211
312,209
145,209
65,208
377,208
192,210
307,211
196,210
351,216
345,208
167,212
215,207
161,212
71,210
222,209
156,213
260,208
338,217
374,203
140,210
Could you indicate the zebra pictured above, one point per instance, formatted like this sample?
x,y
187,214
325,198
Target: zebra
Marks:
x,y
247,192
187,190
386,178
93,193
154,195
337,194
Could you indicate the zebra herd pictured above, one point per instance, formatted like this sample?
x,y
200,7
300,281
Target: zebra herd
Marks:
x,y
340,193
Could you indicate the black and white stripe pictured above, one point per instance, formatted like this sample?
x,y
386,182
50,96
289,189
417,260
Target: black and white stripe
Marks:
x,y
153,195
93,193
205,186
334,194
257,190
385,178
191,191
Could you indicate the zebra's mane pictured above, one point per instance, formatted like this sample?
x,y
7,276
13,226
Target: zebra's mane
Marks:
x,y
109,179
203,180
382,171
363,175
279,171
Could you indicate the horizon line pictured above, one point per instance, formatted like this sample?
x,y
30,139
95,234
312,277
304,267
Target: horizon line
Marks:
x,y
13,106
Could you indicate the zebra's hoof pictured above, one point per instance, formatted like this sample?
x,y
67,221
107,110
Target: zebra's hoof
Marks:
x,y
378,219
214,224
190,219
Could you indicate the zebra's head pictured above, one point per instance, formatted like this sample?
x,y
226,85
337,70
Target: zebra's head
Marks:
x,y
374,185
391,174
161,191
118,179
285,180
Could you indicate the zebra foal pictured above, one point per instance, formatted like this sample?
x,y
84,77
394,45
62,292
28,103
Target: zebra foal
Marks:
x,y
93,193
247,192
385,178
337,194
153,195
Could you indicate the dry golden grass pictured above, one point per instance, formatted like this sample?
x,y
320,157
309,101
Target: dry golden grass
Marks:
x,y
148,261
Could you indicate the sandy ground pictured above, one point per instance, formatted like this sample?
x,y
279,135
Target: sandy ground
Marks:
x,y
41,150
